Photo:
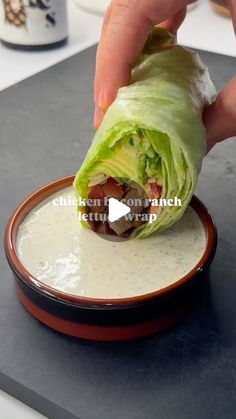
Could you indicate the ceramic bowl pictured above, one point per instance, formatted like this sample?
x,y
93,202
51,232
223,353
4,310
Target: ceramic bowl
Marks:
x,y
105,319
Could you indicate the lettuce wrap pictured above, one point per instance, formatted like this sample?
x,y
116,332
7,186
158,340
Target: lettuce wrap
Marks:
x,y
152,137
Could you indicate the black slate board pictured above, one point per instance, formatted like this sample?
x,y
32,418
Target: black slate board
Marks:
x,y
188,372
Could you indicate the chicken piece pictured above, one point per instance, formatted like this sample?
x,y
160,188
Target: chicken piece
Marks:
x,y
120,226
138,196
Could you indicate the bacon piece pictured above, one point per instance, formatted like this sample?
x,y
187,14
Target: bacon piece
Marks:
x,y
112,189
96,192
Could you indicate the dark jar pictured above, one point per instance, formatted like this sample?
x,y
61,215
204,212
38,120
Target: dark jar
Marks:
x,y
33,24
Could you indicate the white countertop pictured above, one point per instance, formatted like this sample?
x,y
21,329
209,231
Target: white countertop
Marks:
x,y
202,29
12,408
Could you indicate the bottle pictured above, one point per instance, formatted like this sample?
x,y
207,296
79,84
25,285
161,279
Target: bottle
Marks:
x,y
221,7
33,24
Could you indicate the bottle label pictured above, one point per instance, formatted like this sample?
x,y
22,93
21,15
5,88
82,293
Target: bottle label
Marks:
x,y
33,22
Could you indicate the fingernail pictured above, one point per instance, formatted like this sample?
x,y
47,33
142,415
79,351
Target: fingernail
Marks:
x,y
98,116
102,99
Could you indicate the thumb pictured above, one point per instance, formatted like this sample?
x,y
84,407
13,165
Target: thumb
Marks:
x,y
220,116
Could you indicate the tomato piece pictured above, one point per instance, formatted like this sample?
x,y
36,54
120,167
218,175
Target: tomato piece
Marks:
x,y
112,189
96,192
155,190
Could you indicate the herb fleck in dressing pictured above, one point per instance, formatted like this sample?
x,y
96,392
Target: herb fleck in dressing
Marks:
x,y
55,249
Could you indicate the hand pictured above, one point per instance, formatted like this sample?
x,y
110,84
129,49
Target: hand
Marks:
x,y
220,117
125,30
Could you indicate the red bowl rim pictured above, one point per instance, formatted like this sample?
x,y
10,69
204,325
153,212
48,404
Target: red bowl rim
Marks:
x,y
45,191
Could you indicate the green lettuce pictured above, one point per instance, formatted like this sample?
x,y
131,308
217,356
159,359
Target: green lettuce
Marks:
x,y
154,128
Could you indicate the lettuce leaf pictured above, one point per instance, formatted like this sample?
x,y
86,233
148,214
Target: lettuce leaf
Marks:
x,y
154,127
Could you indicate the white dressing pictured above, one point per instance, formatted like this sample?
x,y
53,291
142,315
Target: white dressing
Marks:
x,y
56,250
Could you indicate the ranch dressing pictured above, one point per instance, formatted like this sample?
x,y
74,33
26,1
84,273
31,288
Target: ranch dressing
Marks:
x,y
54,248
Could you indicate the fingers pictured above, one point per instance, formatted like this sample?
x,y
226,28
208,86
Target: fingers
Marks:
x,y
172,24
220,117
125,30
232,8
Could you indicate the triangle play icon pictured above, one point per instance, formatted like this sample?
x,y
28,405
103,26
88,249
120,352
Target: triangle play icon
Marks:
x,y
117,210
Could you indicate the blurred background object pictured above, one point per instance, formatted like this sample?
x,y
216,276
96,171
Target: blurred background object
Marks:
x,y
99,6
35,24
94,6
202,29
221,7
192,4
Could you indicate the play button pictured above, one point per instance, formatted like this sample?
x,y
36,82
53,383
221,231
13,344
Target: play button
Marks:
x,y
117,210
